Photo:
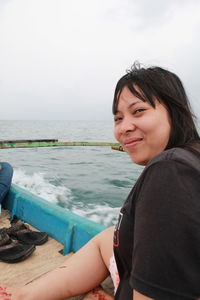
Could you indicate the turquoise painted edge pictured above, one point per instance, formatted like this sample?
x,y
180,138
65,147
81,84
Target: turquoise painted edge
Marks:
x,y
71,230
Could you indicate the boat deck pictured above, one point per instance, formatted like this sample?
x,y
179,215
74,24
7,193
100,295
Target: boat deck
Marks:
x,y
45,258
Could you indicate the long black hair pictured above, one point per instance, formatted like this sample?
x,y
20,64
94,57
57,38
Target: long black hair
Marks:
x,y
155,83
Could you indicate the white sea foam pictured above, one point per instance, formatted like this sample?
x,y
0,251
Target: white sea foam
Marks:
x,y
102,214
37,184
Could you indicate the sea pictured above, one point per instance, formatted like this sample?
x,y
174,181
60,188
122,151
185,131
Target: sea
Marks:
x,y
91,181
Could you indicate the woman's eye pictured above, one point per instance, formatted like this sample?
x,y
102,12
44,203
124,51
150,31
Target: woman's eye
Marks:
x,y
117,119
139,110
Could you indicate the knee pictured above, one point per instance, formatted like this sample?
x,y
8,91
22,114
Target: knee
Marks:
x,y
6,168
6,173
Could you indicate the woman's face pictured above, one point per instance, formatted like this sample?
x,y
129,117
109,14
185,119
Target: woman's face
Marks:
x,y
142,130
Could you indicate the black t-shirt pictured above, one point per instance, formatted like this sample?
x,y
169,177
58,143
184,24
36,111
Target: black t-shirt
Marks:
x,y
157,238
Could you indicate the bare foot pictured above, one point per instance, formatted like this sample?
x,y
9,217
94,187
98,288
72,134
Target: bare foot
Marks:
x,y
4,293
10,293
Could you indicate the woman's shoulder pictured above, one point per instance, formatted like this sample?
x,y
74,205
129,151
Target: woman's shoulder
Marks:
x,y
178,155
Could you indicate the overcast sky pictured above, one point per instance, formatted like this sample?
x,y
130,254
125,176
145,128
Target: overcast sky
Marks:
x,y
61,59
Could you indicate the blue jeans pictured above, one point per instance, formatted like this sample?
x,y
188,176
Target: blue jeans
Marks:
x,y
6,173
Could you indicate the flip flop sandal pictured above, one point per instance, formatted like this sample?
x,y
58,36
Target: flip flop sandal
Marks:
x,y
24,234
12,251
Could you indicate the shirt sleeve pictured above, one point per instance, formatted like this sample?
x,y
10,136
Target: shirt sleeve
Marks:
x,y
166,253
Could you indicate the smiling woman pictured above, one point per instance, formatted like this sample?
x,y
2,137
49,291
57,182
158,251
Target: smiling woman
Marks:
x,y
159,221
156,241
142,130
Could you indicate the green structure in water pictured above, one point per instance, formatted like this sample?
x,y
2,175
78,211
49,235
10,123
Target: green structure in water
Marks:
x,y
49,143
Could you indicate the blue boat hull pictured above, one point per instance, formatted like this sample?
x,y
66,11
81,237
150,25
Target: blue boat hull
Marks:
x,y
71,230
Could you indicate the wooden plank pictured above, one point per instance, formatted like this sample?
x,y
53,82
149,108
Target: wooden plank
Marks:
x,y
45,258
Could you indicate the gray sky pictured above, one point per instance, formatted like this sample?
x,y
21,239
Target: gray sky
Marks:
x,y
61,59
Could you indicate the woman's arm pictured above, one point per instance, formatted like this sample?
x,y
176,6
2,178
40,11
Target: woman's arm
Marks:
x,y
138,296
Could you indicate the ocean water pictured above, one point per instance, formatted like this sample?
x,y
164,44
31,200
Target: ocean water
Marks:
x,y
90,181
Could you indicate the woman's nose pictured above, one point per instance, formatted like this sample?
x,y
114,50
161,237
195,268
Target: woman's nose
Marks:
x,y
127,125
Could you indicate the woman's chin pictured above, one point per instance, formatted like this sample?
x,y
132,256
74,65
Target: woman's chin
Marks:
x,y
138,160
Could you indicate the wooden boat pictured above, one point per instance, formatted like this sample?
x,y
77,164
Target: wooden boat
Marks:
x,y
71,230
68,232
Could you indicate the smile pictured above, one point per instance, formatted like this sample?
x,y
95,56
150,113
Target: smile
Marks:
x,y
132,143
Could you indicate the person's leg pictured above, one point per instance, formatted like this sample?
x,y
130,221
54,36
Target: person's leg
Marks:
x,y
106,249
6,172
82,272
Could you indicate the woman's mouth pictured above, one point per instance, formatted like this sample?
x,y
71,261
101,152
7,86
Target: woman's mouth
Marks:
x,y
132,142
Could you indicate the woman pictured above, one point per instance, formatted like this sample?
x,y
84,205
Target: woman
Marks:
x,y
157,238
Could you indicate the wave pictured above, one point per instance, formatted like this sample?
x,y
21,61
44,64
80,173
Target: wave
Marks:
x,y
37,184
102,214
118,183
